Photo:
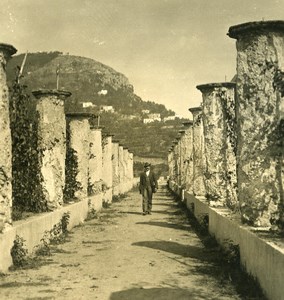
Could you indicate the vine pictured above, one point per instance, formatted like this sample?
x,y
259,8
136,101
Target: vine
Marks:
x,y
19,252
230,118
27,190
71,171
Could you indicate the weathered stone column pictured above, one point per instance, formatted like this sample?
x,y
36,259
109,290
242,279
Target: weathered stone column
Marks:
x,y
260,69
77,158
182,158
51,145
122,188
107,167
175,161
95,168
5,142
198,152
131,169
219,143
126,167
115,167
188,160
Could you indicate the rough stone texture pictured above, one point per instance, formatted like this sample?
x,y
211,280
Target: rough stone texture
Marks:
x,y
51,144
198,152
121,169
107,167
176,161
182,159
127,172
260,66
188,161
171,165
95,162
79,129
131,166
219,142
115,168
5,141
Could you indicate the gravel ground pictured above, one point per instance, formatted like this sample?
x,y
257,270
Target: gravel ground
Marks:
x,y
122,254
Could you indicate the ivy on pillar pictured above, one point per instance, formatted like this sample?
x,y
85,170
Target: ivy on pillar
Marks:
x,y
188,160
6,51
198,153
260,134
51,147
219,143
77,158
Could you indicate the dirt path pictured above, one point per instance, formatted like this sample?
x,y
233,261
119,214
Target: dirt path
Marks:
x,y
124,255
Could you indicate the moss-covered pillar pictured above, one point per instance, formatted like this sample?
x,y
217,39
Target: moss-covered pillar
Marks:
x,y
126,168
95,168
182,158
77,157
107,167
115,167
131,169
198,152
219,143
260,69
5,141
176,161
188,160
51,146
121,169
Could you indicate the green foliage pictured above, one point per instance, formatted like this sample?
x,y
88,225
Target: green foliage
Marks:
x,y
19,252
56,235
92,214
26,155
71,172
145,140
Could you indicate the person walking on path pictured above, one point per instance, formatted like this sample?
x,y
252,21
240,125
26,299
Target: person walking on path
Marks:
x,y
148,185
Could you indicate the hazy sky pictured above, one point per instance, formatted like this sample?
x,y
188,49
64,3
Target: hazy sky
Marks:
x,y
164,47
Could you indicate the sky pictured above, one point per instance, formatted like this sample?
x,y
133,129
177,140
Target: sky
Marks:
x,y
164,47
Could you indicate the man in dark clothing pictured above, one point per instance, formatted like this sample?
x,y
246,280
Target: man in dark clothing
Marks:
x,y
148,185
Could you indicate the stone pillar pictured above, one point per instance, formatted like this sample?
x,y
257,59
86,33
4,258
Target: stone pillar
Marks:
x,y
131,169
115,167
95,168
219,143
77,158
5,142
198,152
188,161
107,167
122,188
182,158
260,69
126,168
51,145
178,151
176,161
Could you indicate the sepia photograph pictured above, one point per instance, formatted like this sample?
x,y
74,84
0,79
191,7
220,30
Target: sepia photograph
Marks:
x,y
142,150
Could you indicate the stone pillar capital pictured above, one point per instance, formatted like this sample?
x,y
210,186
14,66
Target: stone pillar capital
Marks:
x,y
49,93
8,50
187,124
237,31
195,110
211,86
80,115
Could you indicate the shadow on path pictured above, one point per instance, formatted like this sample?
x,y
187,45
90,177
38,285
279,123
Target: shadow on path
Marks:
x,y
160,294
165,224
175,248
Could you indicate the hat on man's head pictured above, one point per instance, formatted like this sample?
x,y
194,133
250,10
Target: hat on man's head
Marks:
x,y
147,165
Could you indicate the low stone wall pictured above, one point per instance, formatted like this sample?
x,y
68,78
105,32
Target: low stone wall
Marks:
x,y
261,258
32,229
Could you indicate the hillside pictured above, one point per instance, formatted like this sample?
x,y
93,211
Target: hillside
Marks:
x,y
85,78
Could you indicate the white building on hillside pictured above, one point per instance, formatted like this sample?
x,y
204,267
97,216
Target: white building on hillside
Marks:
x,y
107,108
